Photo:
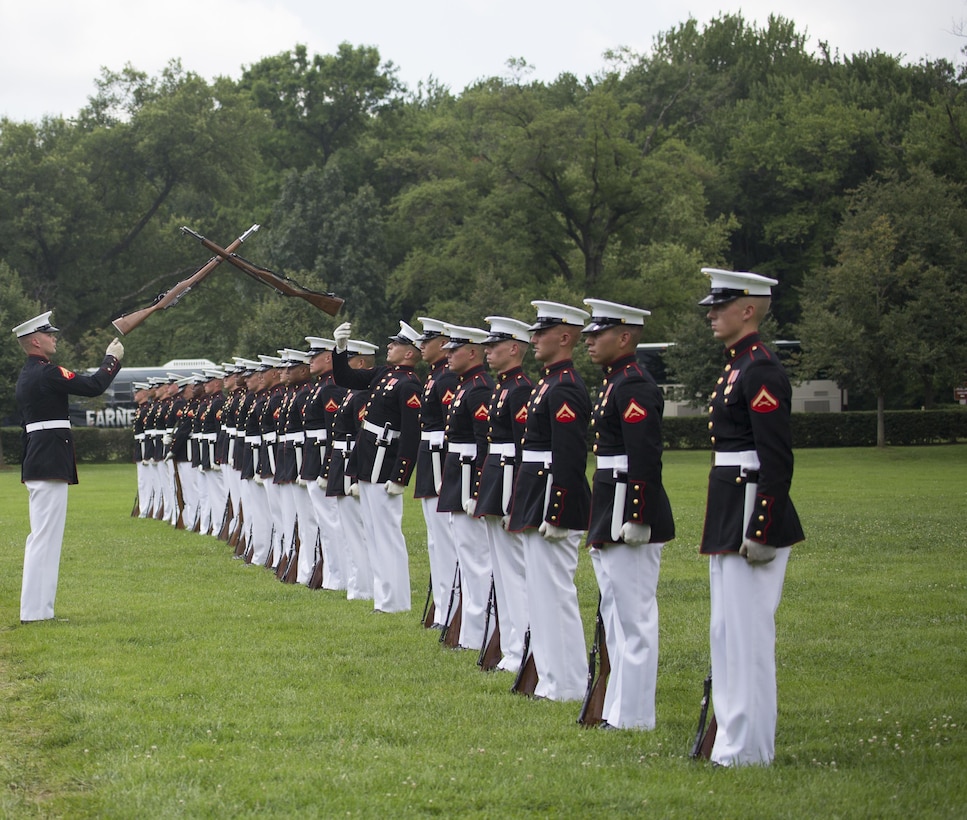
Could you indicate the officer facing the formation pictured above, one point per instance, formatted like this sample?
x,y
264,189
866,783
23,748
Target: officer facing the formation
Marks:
x,y
384,456
631,518
552,502
749,518
49,463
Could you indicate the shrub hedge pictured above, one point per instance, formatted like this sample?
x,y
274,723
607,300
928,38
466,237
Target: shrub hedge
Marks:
x,y
855,429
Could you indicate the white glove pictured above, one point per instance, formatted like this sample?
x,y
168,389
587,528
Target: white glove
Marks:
x,y
505,521
392,488
341,335
756,553
321,482
552,532
354,490
635,534
116,349
470,507
166,439
302,482
258,479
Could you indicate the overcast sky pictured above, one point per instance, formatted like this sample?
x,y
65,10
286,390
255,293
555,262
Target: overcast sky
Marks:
x,y
51,51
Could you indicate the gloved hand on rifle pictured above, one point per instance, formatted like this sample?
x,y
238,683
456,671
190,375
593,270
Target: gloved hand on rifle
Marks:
x,y
354,490
115,349
552,532
392,488
470,507
635,534
341,335
756,553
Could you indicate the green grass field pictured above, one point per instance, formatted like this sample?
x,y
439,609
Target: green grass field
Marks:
x,y
187,685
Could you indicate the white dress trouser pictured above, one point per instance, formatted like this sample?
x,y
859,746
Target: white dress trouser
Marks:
x,y
628,580
47,501
473,552
742,633
217,497
442,555
144,489
308,530
187,476
557,635
359,572
383,519
510,583
334,559
259,522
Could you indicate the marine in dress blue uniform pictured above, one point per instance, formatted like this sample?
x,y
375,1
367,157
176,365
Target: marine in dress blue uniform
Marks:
x,y
466,439
506,344
631,517
552,502
384,456
750,520
319,411
438,393
342,487
49,464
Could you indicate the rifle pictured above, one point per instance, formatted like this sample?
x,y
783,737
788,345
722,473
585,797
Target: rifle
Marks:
x,y
159,513
179,500
291,575
315,581
136,510
526,681
235,539
450,635
704,738
328,302
429,608
490,653
599,667
270,558
223,532
129,321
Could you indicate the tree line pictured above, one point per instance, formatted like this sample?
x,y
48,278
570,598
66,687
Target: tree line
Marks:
x,y
727,145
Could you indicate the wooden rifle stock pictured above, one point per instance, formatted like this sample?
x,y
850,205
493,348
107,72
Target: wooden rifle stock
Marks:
x,y
315,581
224,531
490,653
136,510
450,635
179,499
291,575
527,678
327,302
129,321
704,738
429,608
599,667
